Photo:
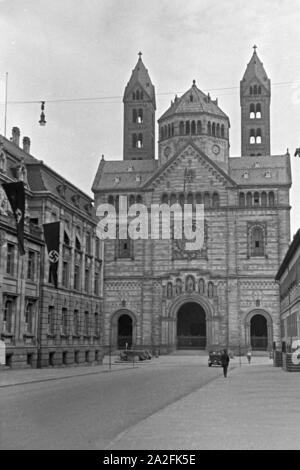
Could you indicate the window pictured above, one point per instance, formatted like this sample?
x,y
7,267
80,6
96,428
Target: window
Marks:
x,y
139,143
87,280
258,111
252,111
258,136
271,199
206,200
255,89
97,248
31,265
209,128
29,316
193,127
134,140
65,274
257,241
187,127
213,129
8,316
222,131
77,244
86,323
96,324
76,277
264,199
88,244
96,283
218,130
51,320
198,198
124,250
66,239
199,127
252,136
216,200
134,115
140,116
76,323
249,199
181,128
256,199
10,259
242,200
64,321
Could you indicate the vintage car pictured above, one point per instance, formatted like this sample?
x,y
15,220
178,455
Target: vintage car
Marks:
x,y
214,358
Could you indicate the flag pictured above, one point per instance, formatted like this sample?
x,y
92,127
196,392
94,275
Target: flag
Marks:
x,y
16,195
51,234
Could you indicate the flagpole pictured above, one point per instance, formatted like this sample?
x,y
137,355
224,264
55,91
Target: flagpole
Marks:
x,y
5,108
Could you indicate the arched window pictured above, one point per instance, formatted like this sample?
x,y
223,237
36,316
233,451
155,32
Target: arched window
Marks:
x,y
210,289
110,200
187,127
139,199
131,200
139,143
181,128
142,95
252,136
257,241
206,200
172,129
169,130
271,199
133,95
191,98
264,199
193,128
259,90
258,111
173,199
213,129
190,198
29,317
251,90
199,127
198,198
252,111
255,89
134,115
242,200
140,116
165,198
181,200
218,130
77,244
256,199
222,131
249,199
134,140
209,128
137,94
258,136
215,200
162,133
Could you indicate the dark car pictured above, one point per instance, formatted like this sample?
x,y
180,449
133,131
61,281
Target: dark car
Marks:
x,y
214,358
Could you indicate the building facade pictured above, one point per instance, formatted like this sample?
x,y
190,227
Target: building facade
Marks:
x,y
158,294
288,277
42,325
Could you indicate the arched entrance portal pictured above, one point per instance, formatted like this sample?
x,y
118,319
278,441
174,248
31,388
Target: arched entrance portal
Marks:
x,y
124,331
191,326
259,333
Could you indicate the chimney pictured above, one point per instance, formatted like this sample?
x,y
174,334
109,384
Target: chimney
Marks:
x,y
26,144
16,136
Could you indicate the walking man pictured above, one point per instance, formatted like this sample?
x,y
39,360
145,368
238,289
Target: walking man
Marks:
x,y
249,355
225,361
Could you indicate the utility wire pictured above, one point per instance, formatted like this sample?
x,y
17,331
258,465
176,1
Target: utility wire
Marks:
x,y
98,99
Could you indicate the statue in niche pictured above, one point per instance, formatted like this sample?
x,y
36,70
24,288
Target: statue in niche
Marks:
x,y
190,284
178,287
201,286
169,290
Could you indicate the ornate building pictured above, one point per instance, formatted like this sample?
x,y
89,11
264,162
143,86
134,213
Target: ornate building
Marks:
x,y
39,324
161,296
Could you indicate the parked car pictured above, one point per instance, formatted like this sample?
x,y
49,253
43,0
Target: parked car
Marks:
x,y
214,358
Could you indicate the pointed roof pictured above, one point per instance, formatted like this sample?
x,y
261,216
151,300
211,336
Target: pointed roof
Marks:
x,y
140,76
194,101
255,68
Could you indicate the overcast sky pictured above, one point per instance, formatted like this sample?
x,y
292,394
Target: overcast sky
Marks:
x,y
72,49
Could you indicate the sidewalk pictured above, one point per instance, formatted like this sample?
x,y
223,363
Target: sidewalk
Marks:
x,y
13,377
256,407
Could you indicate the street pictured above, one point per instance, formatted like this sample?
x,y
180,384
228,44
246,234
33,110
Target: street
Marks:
x,y
88,412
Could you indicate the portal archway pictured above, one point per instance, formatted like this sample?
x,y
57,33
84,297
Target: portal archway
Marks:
x,y
123,329
191,326
259,330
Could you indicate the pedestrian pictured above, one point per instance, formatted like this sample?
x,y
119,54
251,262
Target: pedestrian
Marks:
x,y
249,355
225,361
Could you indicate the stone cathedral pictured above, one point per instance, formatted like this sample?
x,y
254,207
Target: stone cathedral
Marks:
x,y
157,294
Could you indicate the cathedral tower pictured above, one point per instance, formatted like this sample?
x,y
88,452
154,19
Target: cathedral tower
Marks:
x,y
139,115
255,96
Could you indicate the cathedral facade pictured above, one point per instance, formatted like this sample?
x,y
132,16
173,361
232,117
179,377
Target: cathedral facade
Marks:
x,y
158,294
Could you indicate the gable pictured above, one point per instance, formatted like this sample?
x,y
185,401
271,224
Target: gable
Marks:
x,y
190,170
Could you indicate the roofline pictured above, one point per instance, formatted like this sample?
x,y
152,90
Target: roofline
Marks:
x,y
289,255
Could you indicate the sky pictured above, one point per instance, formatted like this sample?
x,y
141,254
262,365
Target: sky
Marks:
x,y
85,50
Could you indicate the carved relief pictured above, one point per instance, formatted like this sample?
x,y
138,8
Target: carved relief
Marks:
x,y
179,247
